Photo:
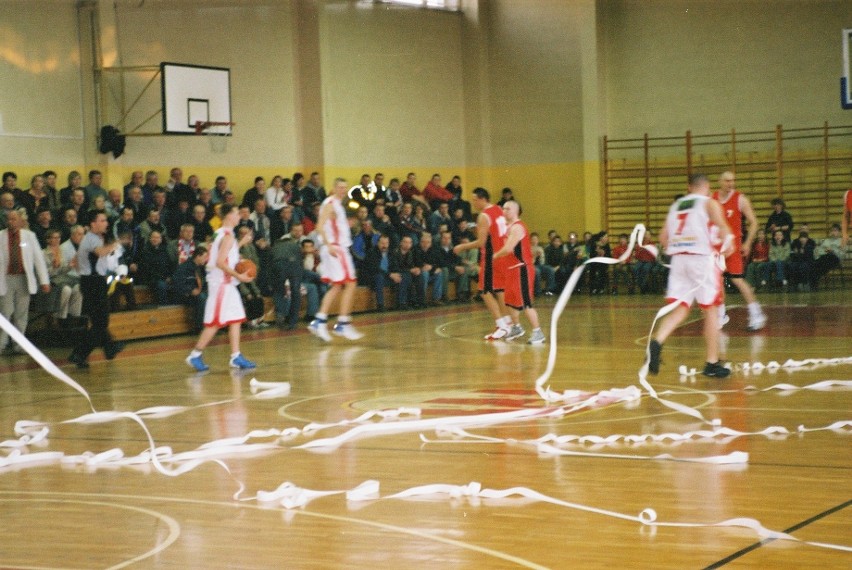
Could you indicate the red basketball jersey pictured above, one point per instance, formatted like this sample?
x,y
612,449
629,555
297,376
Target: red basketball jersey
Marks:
x,y
496,229
733,214
523,249
847,200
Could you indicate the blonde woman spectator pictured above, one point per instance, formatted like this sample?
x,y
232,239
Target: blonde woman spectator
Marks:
x,y
63,276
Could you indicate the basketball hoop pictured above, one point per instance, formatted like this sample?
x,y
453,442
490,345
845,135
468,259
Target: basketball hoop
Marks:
x,y
218,131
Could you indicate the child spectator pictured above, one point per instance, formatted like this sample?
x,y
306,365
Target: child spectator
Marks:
x,y
779,255
758,259
828,255
802,261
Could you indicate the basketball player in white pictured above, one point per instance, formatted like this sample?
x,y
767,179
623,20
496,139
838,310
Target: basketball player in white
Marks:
x,y
695,275
224,306
336,267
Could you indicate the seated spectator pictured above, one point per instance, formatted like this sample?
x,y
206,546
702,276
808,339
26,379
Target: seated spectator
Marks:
x,y
410,192
202,230
137,204
364,193
189,286
543,272
181,249
779,255
68,221
75,180
598,272
219,188
205,200
310,193
283,224
276,196
554,257
113,205
35,199
377,271
800,266
758,259
470,260
299,185
78,201
505,196
409,225
393,199
311,280
452,268
178,215
94,187
382,222
176,190
50,189
361,214
403,262
254,193
156,268
462,228
137,179
454,188
440,217
245,218
250,292
779,219
310,219
430,260
624,270
152,184
645,266
43,224
434,193
828,255
362,243
63,278
152,224
124,255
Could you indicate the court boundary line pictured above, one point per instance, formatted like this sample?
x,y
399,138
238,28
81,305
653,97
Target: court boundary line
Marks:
x,y
743,551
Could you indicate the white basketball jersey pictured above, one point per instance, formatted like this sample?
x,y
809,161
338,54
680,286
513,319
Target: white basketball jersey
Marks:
x,y
337,226
214,274
689,226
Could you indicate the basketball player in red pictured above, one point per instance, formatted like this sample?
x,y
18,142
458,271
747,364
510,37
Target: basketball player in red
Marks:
x,y
695,276
520,274
847,218
736,207
490,234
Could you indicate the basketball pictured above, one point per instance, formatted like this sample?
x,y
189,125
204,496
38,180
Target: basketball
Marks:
x,y
246,266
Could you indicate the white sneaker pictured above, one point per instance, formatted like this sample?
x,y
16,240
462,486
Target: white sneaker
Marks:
x,y
757,323
516,331
537,337
724,320
497,334
319,330
347,331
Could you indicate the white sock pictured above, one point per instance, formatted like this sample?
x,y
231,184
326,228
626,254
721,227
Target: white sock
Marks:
x,y
321,317
195,353
234,355
722,310
506,322
754,309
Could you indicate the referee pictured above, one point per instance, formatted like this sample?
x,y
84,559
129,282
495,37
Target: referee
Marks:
x,y
95,291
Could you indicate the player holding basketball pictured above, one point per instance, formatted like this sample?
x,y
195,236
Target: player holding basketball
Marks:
x,y
736,207
490,235
520,274
224,306
695,275
336,266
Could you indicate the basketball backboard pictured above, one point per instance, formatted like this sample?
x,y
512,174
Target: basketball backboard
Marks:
x,y
192,94
845,87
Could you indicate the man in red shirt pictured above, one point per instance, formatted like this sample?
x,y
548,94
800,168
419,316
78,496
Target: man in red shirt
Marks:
x,y
490,236
736,207
409,190
435,193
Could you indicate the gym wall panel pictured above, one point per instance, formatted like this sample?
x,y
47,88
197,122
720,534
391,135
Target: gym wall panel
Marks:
x,y
713,65
40,90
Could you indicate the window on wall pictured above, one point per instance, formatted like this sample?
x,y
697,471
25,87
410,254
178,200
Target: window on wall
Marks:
x,y
451,5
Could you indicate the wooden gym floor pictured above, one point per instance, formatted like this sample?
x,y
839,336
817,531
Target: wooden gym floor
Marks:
x,y
71,516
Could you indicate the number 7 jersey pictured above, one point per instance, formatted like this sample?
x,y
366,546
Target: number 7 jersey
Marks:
x,y
689,227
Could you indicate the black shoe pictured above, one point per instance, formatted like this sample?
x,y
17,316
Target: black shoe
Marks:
x,y
716,370
78,360
655,349
112,349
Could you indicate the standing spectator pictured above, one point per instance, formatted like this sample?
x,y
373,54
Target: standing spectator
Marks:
x,y
779,255
287,268
451,266
156,267
779,219
93,285
311,279
188,286
802,261
758,261
22,271
828,255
